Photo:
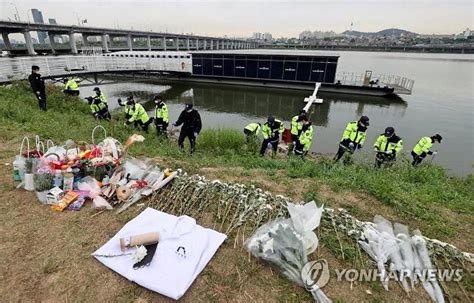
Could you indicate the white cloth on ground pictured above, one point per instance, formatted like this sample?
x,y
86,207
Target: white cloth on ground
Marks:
x,y
184,250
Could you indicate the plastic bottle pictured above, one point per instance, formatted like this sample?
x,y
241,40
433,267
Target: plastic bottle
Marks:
x,y
68,182
17,165
58,178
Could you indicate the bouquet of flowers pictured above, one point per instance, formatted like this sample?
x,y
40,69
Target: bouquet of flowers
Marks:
x,y
280,244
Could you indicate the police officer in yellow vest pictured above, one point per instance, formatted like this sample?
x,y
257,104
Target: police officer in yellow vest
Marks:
x,y
98,108
305,138
127,110
387,146
423,148
139,115
162,118
252,130
295,129
353,137
99,95
271,131
71,87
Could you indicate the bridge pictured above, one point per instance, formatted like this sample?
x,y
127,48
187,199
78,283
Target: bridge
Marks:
x,y
156,62
109,39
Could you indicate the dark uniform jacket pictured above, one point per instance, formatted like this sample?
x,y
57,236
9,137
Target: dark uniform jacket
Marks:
x,y
37,84
191,121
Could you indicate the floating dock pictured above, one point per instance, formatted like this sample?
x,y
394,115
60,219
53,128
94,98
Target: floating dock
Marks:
x,y
283,69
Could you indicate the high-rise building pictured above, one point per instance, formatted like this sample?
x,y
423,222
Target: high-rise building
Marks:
x,y
38,18
267,37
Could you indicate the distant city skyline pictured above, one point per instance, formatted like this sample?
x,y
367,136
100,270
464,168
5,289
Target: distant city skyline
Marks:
x,y
242,18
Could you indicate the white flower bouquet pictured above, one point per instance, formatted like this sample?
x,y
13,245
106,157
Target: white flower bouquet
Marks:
x,y
278,242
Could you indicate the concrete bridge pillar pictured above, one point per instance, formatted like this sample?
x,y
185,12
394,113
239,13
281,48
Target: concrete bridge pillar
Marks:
x,y
29,43
176,41
84,40
197,44
6,41
148,43
211,46
105,44
163,43
72,43
130,42
188,47
205,44
51,42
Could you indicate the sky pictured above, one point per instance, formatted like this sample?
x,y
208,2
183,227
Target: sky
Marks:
x,y
241,18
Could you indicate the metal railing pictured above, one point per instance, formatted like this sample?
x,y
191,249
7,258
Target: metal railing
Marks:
x,y
19,68
400,84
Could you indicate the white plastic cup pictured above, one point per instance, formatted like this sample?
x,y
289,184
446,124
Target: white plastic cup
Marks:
x,y
29,182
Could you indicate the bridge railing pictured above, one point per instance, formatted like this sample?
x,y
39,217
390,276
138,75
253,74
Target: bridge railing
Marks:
x,y
19,68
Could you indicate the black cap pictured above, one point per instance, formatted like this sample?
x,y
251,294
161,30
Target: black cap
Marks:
x,y
188,106
130,102
158,97
35,67
96,89
389,131
364,120
437,137
271,119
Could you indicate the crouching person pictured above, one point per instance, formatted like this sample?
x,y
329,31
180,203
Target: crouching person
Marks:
x,y
139,115
387,146
305,138
98,108
271,131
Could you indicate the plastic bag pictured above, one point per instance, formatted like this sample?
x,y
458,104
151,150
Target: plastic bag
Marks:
x,y
91,186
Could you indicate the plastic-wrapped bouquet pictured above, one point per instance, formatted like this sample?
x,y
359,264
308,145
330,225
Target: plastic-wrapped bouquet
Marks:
x,y
280,244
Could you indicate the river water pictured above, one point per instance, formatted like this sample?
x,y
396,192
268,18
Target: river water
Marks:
x,y
442,102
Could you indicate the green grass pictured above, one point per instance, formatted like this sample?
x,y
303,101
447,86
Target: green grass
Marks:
x,y
413,193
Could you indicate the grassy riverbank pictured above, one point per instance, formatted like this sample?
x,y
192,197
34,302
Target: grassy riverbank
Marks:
x,y
423,194
426,198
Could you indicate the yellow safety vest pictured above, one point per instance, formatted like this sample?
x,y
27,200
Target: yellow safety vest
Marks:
x,y
97,107
423,146
296,126
383,145
71,85
162,113
139,114
101,97
352,133
267,131
253,127
306,138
